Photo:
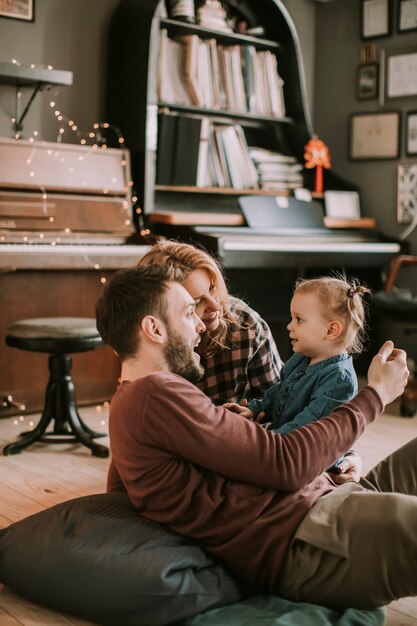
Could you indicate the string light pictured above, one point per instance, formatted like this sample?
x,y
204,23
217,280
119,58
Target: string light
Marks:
x,y
94,140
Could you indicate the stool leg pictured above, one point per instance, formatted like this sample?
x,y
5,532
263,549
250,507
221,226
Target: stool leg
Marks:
x,y
37,433
60,406
66,408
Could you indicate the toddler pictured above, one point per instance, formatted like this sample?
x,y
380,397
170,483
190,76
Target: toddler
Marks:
x,y
326,327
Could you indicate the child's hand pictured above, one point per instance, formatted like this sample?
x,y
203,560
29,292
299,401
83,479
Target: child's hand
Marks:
x,y
241,409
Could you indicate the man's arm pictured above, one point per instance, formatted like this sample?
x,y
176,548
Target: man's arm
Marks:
x,y
187,425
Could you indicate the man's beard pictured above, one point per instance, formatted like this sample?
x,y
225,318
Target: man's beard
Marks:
x,y
180,359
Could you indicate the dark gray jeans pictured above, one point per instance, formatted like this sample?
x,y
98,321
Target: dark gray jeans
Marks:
x,y
357,547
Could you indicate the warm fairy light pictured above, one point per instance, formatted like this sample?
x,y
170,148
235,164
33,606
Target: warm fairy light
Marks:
x,y
61,130
50,67
103,280
123,162
145,231
52,104
134,198
98,408
21,418
106,404
83,142
96,266
138,210
104,147
130,183
51,219
41,235
106,125
96,126
92,135
67,230
127,222
102,423
121,140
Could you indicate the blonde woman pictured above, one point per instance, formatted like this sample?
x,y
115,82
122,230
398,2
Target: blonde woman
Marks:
x,y
237,350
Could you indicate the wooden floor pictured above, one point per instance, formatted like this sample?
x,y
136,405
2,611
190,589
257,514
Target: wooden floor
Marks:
x,y
44,475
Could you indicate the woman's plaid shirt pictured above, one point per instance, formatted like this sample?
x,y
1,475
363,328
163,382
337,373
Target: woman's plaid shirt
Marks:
x,y
249,368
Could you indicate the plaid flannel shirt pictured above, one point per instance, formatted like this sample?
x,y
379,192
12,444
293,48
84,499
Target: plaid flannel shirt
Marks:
x,y
249,368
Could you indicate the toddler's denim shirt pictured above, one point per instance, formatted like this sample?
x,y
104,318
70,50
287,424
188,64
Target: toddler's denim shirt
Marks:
x,y
305,393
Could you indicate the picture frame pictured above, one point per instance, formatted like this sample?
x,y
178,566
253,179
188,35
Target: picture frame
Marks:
x,y
367,81
18,9
407,16
374,135
375,18
407,192
411,133
401,73
369,52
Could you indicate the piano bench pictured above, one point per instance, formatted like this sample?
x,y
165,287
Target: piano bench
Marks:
x,y
59,337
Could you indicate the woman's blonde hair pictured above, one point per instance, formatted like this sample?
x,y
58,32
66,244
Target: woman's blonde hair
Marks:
x,y
182,259
341,298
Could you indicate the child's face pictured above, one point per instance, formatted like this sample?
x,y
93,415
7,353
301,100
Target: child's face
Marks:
x,y
308,327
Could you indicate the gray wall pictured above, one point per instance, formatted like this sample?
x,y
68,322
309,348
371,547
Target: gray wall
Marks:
x,y
338,45
69,35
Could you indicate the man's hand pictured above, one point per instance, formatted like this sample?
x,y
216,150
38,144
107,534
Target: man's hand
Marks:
x,y
241,409
349,469
388,372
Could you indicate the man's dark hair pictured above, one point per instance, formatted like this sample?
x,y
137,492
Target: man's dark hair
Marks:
x,y
129,296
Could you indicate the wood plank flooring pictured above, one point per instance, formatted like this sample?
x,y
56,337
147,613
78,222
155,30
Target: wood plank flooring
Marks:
x,y
44,475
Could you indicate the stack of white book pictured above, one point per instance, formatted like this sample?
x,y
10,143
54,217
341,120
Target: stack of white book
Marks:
x,y
209,75
275,170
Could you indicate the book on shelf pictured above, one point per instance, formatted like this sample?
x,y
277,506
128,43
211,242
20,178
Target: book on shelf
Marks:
x,y
211,75
167,138
190,68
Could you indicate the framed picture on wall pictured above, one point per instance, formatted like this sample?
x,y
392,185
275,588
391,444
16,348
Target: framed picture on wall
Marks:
x,y
375,135
411,133
367,81
401,78
407,192
375,18
18,9
407,15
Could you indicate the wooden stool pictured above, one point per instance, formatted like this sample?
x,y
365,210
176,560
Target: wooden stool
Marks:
x,y
59,337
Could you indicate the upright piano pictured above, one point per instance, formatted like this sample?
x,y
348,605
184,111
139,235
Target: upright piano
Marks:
x,y
66,225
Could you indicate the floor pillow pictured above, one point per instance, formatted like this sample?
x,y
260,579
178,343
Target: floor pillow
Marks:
x,y
97,558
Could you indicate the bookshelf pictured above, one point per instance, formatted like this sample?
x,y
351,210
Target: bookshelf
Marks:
x,y
133,104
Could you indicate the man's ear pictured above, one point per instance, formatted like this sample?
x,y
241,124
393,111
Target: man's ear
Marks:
x,y
334,330
153,329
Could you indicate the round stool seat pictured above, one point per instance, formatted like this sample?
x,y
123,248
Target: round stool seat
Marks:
x,y
54,335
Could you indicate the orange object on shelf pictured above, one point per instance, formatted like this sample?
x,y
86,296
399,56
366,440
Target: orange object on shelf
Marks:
x,y
317,155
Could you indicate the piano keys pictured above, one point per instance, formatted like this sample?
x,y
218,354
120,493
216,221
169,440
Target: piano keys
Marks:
x,y
240,248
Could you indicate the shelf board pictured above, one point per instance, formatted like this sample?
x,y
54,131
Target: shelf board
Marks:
x,y
227,191
177,27
25,76
193,218
243,117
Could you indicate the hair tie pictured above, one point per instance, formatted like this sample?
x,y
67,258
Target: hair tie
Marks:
x,y
352,291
